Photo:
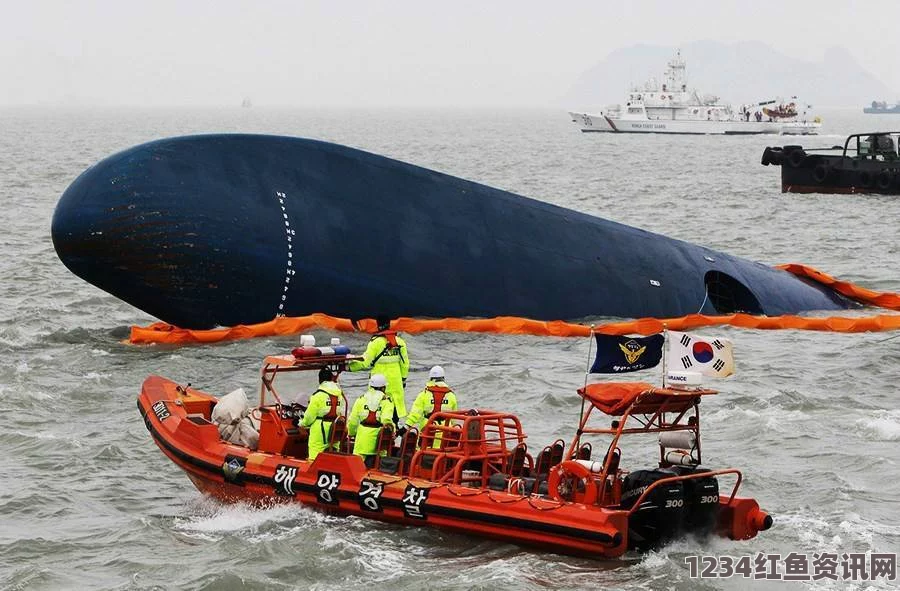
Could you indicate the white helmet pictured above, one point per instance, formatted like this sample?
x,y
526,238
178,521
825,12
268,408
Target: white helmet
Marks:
x,y
437,372
378,380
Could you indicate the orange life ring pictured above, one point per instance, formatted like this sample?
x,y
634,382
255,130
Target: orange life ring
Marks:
x,y
571,469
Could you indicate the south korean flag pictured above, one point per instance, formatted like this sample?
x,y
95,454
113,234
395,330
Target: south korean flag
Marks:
x,y
688,352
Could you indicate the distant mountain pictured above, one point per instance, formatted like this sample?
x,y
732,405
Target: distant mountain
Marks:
x,y
742,72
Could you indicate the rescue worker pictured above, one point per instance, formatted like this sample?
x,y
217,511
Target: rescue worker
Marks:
x,y
370,412
325,405
386,354
436,397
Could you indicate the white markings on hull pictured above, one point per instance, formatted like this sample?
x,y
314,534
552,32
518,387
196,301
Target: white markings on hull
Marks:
x,y
289,271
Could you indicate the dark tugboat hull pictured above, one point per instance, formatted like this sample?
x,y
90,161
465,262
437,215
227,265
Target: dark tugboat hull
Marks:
x,y
856,170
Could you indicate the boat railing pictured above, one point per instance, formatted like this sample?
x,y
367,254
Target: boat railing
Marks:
x,y
466,447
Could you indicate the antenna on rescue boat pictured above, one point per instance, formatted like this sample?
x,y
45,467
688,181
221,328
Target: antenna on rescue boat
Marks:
x,y
665,346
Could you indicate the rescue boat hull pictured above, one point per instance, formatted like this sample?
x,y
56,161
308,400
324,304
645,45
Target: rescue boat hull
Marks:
x,y
342,484
221,230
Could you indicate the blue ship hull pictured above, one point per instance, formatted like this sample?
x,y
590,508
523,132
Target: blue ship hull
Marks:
x,y
218,230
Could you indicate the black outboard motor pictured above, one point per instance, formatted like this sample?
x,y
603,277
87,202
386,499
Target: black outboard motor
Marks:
x,y
701,501
661,515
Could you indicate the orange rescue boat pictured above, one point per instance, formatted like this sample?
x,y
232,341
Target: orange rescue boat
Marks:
x,y
470,471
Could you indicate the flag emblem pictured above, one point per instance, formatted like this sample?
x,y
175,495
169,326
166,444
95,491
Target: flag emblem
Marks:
x,y
632,350
702,352
616,354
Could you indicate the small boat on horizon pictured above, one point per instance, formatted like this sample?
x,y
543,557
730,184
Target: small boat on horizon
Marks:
x,y
880,107
673,108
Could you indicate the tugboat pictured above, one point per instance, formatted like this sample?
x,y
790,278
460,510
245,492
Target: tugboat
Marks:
x,y
470,471
868,163
882,107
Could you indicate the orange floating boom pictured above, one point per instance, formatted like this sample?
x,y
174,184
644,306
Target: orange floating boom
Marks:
x,y
161,332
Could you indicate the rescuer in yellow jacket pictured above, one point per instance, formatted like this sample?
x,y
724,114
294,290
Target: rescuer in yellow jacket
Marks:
x,y
437,396
371,411
387,355
325,405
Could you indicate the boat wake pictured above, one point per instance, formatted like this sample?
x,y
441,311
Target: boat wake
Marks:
x,y
884,426
211,520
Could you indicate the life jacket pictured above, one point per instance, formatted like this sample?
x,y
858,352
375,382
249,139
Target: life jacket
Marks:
x,y
389,335
438,393
391,349
334,403
371,420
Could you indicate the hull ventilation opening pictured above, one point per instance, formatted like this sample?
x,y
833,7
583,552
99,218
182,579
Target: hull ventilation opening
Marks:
x,y
729,296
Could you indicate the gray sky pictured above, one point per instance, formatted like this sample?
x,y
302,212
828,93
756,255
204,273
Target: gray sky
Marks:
x,y
403,53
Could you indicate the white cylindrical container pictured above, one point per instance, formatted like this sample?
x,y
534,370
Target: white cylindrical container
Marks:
x,y
594,467
335,341
307,340
679,439
679,457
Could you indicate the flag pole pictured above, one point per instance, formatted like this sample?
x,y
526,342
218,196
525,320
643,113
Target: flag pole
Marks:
x,y
665,346
587,371
587,367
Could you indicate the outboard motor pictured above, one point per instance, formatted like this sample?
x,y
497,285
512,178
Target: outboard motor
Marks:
x,y
701,501
661,515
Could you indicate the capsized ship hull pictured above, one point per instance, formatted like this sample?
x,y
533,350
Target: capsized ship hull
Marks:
x,y
210,230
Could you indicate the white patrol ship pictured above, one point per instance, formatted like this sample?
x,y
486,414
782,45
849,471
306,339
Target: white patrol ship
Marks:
x,y
671,107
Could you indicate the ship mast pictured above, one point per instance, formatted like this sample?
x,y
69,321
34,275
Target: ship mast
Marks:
x,y
676,77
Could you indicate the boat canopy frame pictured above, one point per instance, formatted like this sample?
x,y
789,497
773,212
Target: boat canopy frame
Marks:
x,y
864,148
276,364
649,409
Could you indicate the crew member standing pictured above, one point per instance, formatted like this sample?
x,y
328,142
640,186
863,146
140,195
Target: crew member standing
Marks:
x,y
371,411
387,355
436,397
325,405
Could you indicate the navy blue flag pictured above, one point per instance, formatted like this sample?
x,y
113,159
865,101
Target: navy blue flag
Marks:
x,y
620,354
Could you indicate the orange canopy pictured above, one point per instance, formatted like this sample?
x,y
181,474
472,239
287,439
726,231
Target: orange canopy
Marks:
x,y
614,398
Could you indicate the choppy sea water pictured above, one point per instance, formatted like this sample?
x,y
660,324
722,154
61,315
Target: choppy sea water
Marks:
x,y
88,501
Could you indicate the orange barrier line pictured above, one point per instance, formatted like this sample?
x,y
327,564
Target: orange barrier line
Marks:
x,y
889,301
161,332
